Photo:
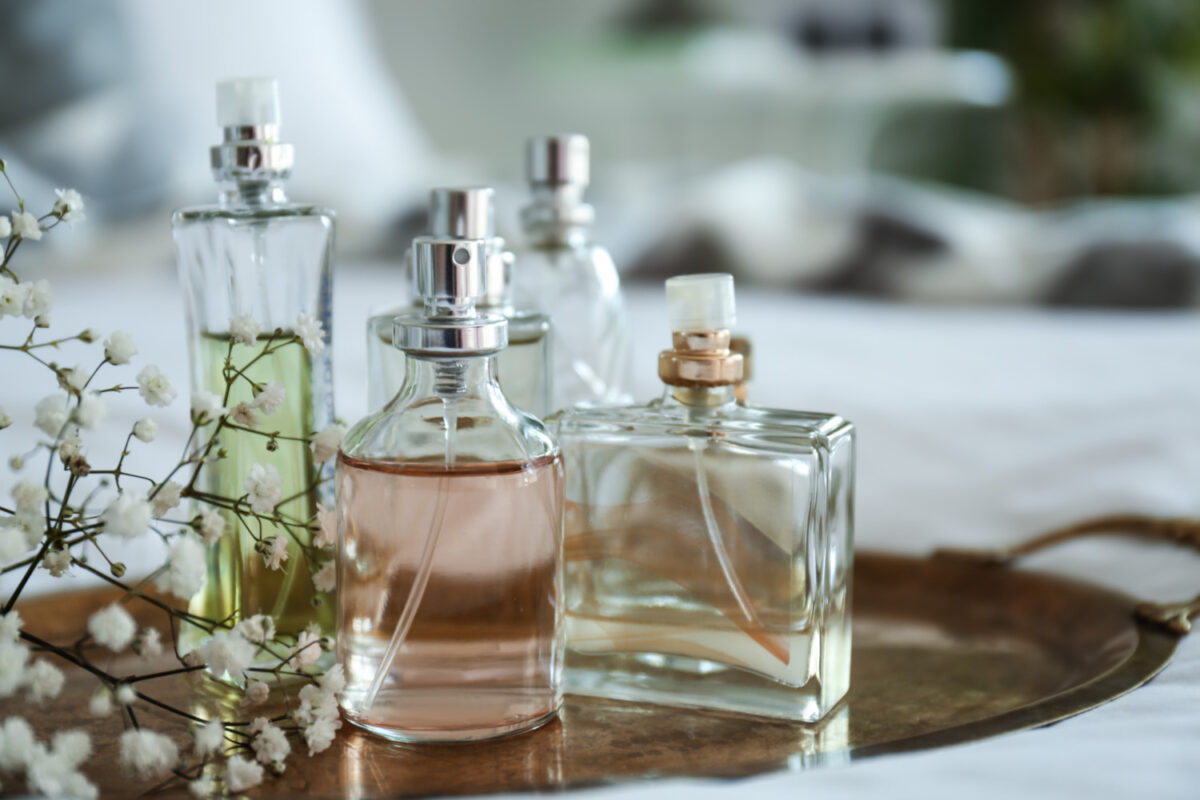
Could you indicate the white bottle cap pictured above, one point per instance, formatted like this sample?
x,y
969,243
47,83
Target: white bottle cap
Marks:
x,y
242,102
700,302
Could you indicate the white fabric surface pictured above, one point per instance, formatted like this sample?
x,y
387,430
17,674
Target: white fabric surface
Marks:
x,y
977,426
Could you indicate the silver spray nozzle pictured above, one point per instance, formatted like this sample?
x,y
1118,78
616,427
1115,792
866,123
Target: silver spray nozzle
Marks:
x,y
469,213
449,271
449,276
464,213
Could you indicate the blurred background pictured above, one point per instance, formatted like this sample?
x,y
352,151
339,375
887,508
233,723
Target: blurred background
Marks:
x,y
971,228
1034,151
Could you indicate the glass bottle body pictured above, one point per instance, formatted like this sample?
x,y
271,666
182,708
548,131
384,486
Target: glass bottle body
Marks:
x,y
708,555
523,368
257,254
576,285
450,573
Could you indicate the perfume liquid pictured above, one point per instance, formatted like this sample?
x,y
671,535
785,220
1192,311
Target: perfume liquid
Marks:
x,y
487,618
239,583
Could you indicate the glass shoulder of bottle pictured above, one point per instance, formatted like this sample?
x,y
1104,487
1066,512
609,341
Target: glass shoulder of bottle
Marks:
x,y
477,427
214,211
749,426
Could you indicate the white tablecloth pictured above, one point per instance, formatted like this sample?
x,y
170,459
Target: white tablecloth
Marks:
x,y
977,426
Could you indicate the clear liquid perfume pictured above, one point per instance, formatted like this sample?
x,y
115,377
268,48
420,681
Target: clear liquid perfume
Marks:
x,y
708,543
523,367
566,276
257,255
449,515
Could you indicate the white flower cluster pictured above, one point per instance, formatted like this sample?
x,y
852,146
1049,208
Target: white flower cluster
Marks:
x,y
129,515
69,205
267,398
24,226
326,443
146,754
317,713
264,487
227,652
51,771
40,679
31,300
185,569
21,532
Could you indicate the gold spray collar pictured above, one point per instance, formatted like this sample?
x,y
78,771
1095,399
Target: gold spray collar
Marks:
x,y
699,359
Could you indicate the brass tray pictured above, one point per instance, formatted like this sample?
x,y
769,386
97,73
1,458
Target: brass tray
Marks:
x,y
945,651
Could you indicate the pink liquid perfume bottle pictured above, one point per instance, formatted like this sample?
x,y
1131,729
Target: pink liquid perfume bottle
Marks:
x,y
450,515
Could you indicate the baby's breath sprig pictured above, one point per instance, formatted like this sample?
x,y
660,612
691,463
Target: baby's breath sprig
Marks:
x,y
63,521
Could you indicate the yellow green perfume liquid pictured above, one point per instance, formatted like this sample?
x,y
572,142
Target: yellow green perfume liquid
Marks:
x,y
240,584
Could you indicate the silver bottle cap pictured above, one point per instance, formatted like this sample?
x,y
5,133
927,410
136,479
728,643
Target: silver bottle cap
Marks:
x,y
464,213
248,112
558,169
449,275
558,160
469,213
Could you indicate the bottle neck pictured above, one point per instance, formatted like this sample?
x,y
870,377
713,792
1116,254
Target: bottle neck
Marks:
x,y
557,217
449,378
699,398
253,194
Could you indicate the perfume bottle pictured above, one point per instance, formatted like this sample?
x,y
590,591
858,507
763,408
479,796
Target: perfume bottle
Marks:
x,y
449,512
524,366
566,276
258,256
708,543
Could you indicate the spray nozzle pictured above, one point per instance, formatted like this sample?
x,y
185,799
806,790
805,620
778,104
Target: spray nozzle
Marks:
x,y
700,302
464,213
247,102
449,273
248,112
449,276
469,213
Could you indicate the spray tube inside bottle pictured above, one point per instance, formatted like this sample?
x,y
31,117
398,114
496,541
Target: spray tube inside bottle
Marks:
x,y
448,333
703,371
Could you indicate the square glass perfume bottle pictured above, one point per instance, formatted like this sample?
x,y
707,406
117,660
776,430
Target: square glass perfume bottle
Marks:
x,y
708,543
257,256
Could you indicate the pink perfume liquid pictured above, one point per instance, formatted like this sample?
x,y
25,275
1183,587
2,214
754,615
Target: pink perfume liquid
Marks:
x,y
482,656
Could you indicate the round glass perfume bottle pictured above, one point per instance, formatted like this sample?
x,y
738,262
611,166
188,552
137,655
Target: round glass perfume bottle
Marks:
x,y
450,517
563,273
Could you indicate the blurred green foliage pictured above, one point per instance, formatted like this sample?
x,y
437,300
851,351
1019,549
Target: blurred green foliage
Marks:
x,y
1084,58
1106,102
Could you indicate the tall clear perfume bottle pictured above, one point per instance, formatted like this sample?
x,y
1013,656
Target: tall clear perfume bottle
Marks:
x,y
565,275
709,544
523,367
257,254
449,515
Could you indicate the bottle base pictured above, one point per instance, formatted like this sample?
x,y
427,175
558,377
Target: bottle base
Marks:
x,y
691,683
433,735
